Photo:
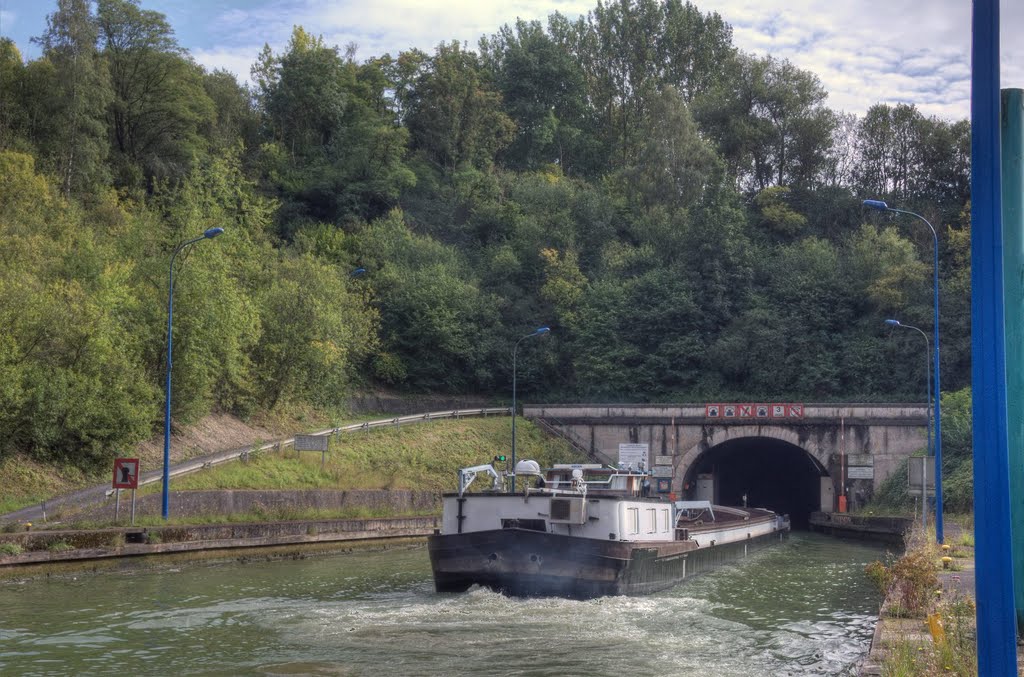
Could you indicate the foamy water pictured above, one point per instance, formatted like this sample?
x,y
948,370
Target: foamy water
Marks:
x,y
802,608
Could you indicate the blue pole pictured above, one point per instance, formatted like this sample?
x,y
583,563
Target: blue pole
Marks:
x,y
937,400
997,655
928,391
166,499
165,504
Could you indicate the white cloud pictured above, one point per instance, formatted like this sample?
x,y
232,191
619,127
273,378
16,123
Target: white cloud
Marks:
x,y
238,60
385,26
877,51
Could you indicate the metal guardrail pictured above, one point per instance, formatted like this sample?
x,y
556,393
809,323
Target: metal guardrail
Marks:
x,y
216,459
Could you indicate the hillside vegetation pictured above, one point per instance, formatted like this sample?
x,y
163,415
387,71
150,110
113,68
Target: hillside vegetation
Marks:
x,y
686,217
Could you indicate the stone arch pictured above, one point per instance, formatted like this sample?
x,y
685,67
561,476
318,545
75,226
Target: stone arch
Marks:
x,y
817,448
775,471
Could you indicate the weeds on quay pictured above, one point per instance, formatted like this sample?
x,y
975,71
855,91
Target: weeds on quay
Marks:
x,y
944,642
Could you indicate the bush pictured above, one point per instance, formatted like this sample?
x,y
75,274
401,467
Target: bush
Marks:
x,y
908,582
10,549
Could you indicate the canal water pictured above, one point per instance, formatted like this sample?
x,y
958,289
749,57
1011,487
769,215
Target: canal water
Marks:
x,y
803,607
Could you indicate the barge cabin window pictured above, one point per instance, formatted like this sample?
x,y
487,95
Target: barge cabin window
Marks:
x,y
633,520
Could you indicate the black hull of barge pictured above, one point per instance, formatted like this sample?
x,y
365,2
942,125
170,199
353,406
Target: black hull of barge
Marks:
x,y
526,563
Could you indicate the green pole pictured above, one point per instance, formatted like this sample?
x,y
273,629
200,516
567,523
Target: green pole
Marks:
x,y
1013,282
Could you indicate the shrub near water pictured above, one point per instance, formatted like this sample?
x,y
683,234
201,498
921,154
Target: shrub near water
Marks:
x,y
908,582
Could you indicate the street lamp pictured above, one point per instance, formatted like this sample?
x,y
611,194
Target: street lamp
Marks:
x,y
537,332
928,373
209,234
883,207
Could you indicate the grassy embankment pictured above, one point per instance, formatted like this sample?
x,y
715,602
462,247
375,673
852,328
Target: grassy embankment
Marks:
x,y
420,456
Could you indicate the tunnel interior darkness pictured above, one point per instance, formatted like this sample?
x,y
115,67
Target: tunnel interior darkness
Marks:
x,y
774,474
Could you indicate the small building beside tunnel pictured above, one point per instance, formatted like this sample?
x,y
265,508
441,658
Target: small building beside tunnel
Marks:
x,y
792,458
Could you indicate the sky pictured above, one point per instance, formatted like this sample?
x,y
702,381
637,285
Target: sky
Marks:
x,y
863,51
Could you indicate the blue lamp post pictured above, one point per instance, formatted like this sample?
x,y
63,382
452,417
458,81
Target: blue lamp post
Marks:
x,y
883,207
210,233
537,332
928,372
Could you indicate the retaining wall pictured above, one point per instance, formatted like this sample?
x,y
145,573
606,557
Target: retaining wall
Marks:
x,y
56,546
242,501
858,525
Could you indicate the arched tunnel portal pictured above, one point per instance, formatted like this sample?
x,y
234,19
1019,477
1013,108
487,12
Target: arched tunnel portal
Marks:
x,y
773,474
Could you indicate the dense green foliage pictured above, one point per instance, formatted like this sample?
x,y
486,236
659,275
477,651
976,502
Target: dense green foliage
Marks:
x,y
684,216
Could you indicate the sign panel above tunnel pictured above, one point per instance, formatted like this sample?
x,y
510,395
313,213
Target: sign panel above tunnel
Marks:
x,y
747,411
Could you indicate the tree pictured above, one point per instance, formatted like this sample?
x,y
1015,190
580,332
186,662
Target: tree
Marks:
x,y
330,152
159,102
71,138
628,51
638,337
542,90
455,116
236,120
770,123
12,110
884,270
776,212
316,333
889,151
674,166
438,328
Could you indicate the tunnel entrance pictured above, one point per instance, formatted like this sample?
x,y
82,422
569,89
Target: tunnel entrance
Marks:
x,y
772,473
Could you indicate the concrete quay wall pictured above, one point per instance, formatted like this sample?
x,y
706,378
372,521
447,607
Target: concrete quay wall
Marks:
x,y
89,544
245,501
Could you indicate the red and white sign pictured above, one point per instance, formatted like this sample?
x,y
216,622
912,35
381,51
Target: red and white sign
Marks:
x,y
773,410
126,473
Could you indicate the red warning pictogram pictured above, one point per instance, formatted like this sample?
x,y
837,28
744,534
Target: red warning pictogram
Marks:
x,y
126,473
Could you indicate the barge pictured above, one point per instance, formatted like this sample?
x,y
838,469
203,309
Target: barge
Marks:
x,y
584,531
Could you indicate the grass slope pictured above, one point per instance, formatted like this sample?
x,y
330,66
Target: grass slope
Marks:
x,y
421,456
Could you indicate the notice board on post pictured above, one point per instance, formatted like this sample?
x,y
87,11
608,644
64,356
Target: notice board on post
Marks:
x,y
634,455
311,442
921,468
